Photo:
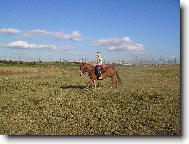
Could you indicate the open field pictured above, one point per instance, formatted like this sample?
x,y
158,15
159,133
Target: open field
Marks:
x,y
53,100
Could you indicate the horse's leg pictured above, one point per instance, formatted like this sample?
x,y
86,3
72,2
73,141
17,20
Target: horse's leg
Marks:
x,y
113,80
94,82
98,85
89,83
117,83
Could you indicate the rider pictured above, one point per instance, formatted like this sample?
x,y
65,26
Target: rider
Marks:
x,y
99,63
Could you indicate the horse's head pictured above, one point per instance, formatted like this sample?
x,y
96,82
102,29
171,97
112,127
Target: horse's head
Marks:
x,y
83,69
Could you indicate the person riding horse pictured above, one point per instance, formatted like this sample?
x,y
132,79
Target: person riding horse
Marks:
x,y
99,65
95,74
111,72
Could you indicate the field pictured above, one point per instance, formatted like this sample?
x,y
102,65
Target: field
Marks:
x,y
52,99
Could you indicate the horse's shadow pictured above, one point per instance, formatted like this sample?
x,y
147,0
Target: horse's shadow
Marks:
x,y
72,86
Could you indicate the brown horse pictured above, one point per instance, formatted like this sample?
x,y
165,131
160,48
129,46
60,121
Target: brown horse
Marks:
x,y
109,72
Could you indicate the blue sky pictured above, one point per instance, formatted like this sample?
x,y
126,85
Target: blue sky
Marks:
x,y
75,29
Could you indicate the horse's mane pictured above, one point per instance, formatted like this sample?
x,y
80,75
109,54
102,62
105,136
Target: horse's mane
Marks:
x,y
89,64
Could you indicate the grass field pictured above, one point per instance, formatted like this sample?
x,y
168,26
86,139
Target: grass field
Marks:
x,y
52,100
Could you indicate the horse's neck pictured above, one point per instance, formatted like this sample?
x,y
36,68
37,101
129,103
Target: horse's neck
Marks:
x,y
90,69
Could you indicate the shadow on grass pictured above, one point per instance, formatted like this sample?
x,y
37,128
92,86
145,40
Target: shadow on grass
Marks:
x,y
73,86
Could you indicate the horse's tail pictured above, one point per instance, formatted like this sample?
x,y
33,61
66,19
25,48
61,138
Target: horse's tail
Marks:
x,y
118,77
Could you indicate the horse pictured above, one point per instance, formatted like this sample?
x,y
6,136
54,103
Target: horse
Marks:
x,y
109,72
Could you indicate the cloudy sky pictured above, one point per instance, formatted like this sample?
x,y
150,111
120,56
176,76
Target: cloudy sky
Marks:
x,y
75,29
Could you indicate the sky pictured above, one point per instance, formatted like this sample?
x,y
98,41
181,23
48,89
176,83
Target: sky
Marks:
x,y
75,29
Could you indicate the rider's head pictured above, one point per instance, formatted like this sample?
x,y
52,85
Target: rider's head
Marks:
x,y
98,54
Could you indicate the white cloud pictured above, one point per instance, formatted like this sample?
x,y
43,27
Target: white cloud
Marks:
x,y
37,33
9,31
26,45
74,36
67,47
119,44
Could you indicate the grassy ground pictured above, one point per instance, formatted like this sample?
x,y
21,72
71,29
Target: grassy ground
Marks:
x,y
53,100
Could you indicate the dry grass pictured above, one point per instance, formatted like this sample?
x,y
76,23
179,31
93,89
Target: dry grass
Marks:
x,y
54,101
